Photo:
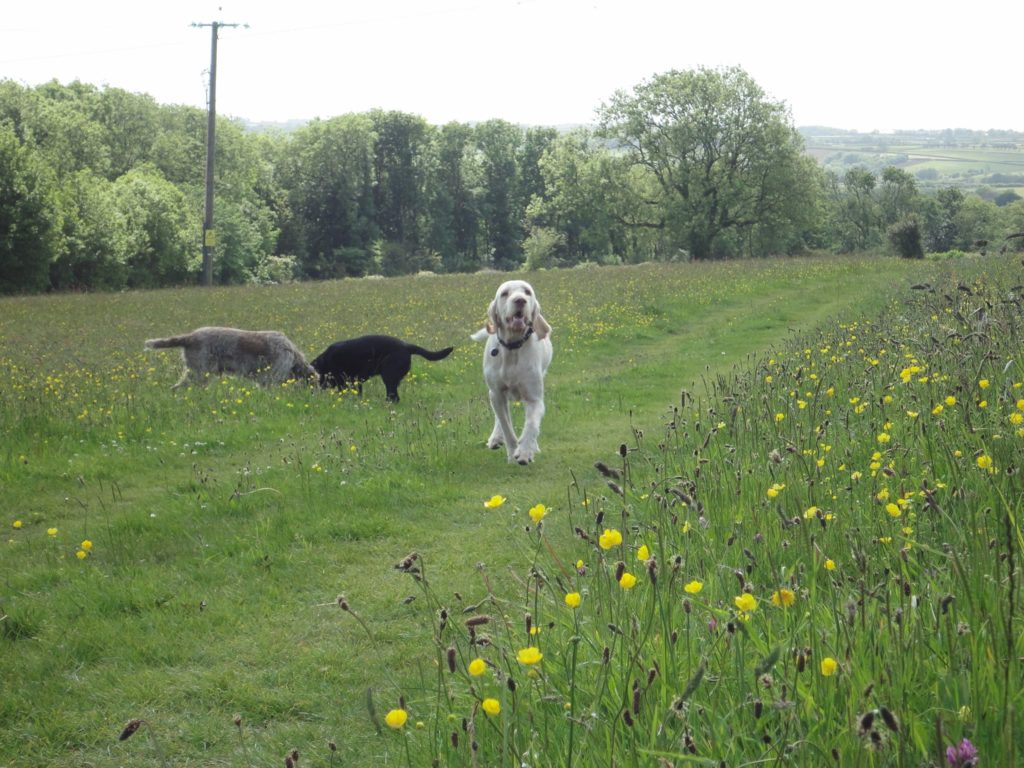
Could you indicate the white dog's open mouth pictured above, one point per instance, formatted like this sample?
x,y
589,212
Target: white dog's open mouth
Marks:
x,y
517,322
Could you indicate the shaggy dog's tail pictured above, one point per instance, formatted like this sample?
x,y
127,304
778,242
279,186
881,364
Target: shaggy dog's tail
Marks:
x,y
480,335
441,354
173,341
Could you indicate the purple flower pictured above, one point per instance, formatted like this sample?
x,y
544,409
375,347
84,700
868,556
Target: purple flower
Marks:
x,y
962,755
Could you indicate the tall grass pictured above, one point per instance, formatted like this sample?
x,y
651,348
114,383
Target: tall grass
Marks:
x,y
813,560
237,595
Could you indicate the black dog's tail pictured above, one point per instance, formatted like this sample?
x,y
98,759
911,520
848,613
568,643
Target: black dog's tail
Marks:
x,y
441,354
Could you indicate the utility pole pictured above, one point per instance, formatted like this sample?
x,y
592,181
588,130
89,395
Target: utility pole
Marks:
x,y
209,234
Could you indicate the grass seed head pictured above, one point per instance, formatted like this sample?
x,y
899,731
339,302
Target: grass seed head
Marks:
x,y
130,728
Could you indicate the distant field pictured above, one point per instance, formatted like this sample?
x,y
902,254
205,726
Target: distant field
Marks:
x,y
177,560
935,159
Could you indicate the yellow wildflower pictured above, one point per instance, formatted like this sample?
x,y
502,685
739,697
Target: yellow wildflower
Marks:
x,y
693,587
573,599
494,502
537,513
610,538
783,598
396,718
828,666
491,706
628,581
529,656
746,602
477,667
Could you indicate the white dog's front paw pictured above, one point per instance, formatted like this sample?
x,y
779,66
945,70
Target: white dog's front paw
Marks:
x,y
494,442
525,453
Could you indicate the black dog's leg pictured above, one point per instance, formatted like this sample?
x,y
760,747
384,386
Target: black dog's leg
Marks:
x,y
392,370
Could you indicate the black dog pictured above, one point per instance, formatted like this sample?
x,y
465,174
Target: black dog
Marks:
x,y
354,361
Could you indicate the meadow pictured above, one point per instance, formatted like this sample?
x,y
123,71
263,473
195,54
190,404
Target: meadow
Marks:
x,y
775,519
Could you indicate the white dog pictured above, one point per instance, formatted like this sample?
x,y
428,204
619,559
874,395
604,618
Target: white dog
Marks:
x,y
516,357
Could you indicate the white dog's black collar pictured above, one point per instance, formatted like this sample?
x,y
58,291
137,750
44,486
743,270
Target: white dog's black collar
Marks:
x,y
513,345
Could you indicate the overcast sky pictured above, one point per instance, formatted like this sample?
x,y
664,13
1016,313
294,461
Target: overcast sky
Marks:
x,y
868,65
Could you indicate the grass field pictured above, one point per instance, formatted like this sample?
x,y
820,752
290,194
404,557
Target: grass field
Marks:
x,y
216,566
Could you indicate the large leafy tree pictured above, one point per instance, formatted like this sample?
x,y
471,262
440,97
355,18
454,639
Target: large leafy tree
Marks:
x,y
29,216
452,223
856,215
897,195
575,202
721,152
328,170
95,243
399,151
163,246
131,125
502,211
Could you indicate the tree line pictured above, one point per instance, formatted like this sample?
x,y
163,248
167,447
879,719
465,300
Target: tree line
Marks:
x,y
102,189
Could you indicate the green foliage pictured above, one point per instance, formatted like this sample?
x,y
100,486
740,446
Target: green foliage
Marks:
x,y
161,229
401,259
541,248
690,165
95,237
329,172
720,151
905,236
578,202
29,216
501,211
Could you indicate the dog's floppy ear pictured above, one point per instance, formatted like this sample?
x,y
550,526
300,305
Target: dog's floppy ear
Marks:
x,y
493,319
540,325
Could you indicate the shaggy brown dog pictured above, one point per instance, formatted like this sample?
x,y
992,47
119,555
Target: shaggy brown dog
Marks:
x,y
267,356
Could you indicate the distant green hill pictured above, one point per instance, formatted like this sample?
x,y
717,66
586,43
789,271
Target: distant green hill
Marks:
x,y
952,157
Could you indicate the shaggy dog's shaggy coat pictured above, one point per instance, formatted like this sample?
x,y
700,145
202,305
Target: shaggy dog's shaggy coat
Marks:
x,y
351,362
267,356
